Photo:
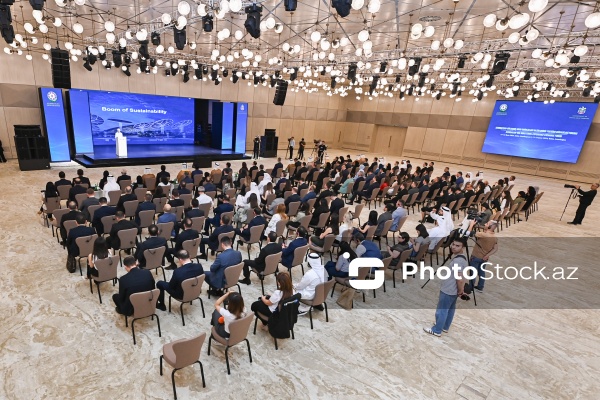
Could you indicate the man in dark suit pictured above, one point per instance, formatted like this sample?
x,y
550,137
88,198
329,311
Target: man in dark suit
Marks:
x,y
176,201
121,225
76,189
213,240
187,269
194,212
136,280
69,216
187,234
294,197
301,186
261,172
79,231
103,211
82,179
310,195
91,200
585,199
183,188
128,196
300,171
186,181
360,177
62,180
311,171
326,192
153,242
335,205
224,207
123,177
424,186
216,276
259,263
146,205
257,220
163,172
209,186
368,189
278,165
287,255
254,167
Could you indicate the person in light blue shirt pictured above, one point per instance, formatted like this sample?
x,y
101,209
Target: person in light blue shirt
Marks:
x,y
398,214
168,216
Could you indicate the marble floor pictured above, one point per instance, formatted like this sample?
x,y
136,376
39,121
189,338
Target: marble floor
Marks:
x,y
58,342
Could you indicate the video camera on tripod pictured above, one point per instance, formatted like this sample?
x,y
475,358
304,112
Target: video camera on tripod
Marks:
x,y
473,214
567,186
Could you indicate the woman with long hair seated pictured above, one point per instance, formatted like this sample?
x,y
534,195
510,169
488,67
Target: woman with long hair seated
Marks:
x,y
222,317
372,221
266,305
100,251
422,239
278,216
48,193
294,221
333,228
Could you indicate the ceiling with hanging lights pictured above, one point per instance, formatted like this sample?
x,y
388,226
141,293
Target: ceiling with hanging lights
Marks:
x,y
530,49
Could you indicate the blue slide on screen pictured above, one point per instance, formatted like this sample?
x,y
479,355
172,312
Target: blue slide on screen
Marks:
x,y
143,119
55,124
554,132
241,127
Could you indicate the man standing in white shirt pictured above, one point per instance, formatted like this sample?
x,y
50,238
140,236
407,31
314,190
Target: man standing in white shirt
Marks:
x,y
292,144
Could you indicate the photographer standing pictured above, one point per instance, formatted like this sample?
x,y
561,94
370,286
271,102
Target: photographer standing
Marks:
x,y
256,147
321,151
450,290
291,144
585,199
301,149
486,244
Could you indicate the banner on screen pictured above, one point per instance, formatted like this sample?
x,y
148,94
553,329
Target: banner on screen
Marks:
x,y
554,132
55,124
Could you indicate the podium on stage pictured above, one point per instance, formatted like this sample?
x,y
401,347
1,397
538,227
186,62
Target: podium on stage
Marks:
x,y
121,144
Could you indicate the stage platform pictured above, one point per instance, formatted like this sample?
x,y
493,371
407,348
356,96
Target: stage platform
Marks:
x,y
105,156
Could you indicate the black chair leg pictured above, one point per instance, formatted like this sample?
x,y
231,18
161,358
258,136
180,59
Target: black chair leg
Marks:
x,y
275,339
255,322
202,374
158,322
160,362
173,382
394,278
249,351
310,316
91,289
326,312
227,360
202,307
132,330
262,286
181,311
99,294
169,303
333,288
209,343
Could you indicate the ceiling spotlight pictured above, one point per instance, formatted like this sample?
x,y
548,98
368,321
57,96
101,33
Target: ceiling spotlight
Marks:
x,y
416,65
252,24
294,74
86,65
143,50
500,63
352,72
117,58
383,66
180,37
155,38
290,5
186,77
125,69
342,7
207,23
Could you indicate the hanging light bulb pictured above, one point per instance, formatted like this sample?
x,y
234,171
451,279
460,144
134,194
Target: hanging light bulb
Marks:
x,y
374,6
537,53
238,35
202,10
429,31
315,36
459,44
416,28
490,20
109,26
166,18
80,2
183,7
57,22
110,37
357,4
270,22
518,21
514,37
363,35
532,34
537,5
43,28
593,20
181,22
448,42
278,28
502,24
235,5
435,45
581,50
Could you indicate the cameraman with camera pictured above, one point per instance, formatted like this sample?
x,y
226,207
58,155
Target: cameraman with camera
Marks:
x,y
585,199
321,151
486,244
301,149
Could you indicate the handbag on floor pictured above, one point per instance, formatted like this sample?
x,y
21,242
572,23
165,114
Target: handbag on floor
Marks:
x,y
346,298
71,263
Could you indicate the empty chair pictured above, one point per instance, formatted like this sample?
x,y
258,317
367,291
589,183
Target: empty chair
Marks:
x,y
86,246
238,332
146,219
271,263
58,214
113,197
293,208
384,232
150,183
154,260
321,291
192,288
357,210
183,353
144,305
63,191
373,197
255,237
198,223
107,271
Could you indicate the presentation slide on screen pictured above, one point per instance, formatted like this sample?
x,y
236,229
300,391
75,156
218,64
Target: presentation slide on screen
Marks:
x,y
143,119
554,132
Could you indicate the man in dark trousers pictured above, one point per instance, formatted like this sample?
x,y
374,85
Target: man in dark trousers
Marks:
x,y
187,269
122,224
90,200
585,199
259,263
216,276
163,172
146,205
76,189
136,280
69,216
124,176
79,231
256,149
103,211
257,220
302,144
294,197
153,242
62,180
224,207
187,234
128,196
213,240
82,179
2,157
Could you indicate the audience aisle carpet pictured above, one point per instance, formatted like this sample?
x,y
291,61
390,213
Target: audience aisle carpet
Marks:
x,y
58,342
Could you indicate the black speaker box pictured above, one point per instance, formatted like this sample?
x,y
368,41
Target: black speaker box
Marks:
x,y
280,92
61,69
32,148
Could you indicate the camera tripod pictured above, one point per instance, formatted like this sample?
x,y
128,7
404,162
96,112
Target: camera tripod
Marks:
x,y
314,150
571,196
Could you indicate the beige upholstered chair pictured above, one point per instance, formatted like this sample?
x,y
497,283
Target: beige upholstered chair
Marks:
x,y
107,223
79,198
238,332
198,224
57,215
192,288
271,263
165,229
191,246
146,219
362,275
384,232
327,246
52,203
127,239
357,211
255,238
404,256
144,306
86,246
373,198
107,271
232,275
293,208
130,208
124,183
299,256
160,204
187,200
140,193
323,218
113,197
183,353
320,296
154,259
